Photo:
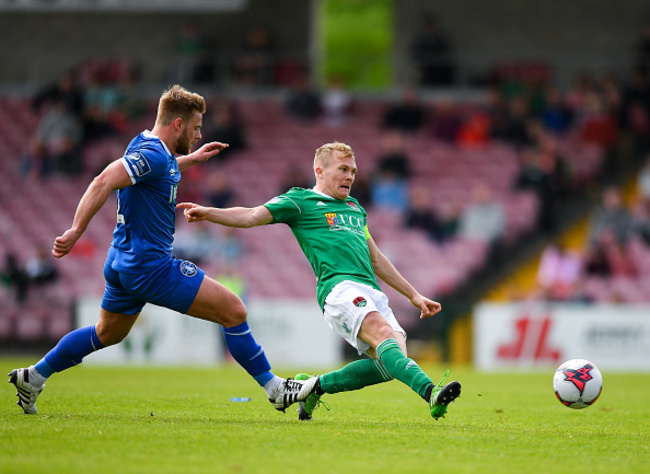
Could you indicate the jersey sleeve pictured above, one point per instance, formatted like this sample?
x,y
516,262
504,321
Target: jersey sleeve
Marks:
x,y
285,207
143,164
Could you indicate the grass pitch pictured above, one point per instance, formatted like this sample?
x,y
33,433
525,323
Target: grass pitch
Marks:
x,y
123,420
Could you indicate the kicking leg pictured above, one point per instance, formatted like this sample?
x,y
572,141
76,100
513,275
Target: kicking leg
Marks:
x,y
376,331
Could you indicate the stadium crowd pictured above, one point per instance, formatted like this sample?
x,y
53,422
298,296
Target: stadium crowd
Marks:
x,y
80,123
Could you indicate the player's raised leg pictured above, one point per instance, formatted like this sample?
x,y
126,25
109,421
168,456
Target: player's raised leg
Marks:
x,y
354,376
389,348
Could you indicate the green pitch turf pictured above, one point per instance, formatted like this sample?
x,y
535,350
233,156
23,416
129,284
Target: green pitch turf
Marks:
x,y
123,420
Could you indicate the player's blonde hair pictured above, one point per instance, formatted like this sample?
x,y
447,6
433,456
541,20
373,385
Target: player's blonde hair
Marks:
x,y
324,153
177,102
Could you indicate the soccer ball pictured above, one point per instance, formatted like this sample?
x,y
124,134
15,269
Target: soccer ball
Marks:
x,y
577,383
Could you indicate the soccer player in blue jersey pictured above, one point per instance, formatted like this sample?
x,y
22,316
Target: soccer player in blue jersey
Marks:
x,y
139,266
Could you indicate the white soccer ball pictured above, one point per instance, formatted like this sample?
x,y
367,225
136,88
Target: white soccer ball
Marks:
x,y
577,383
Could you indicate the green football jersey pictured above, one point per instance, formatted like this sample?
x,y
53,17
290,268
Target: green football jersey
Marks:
x,y
331,232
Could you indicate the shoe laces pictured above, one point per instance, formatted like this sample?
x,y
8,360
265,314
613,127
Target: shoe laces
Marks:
x,y
444,380
321,402
291,385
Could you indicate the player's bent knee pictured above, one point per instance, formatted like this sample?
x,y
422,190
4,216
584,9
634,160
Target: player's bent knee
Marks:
x,y
236,315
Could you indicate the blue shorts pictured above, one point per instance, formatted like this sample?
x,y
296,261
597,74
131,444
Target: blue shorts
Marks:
x,y
173,284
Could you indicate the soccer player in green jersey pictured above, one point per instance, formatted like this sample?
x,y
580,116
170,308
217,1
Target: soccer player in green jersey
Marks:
x,y
331,228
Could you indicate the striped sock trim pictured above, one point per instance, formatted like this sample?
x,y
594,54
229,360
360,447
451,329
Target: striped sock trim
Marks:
x,y
387,344
382,371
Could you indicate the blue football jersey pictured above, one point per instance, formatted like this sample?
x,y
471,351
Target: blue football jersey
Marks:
x,y
146,213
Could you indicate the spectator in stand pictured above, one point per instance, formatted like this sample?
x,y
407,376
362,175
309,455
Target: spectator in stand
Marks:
x,y
56,145
596,263
450,219
220,194
555,115
223,125
196,244
13,275
559,274
496,108
40,268
67,89
303,103
641,218
545,172
475,132
514,128
255,65
420,214
189,51
484,217
336,102
608,256
611,215
389,188
229,247
598,125
445,121
431,51
407,115
389,192
636,111
393,158
643,180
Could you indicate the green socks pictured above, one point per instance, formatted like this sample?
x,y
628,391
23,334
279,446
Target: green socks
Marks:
x,y
402,368
354,376
392,363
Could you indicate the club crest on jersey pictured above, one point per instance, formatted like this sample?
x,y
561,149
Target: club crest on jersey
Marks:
x,y
138,163
188,268
332,219
360,302
352,205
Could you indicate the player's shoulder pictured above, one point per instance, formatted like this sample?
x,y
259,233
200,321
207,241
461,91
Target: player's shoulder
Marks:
x,y
148,143
148,147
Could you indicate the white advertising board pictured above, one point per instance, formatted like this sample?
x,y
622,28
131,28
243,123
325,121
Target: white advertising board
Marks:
x,y
292,333
525,335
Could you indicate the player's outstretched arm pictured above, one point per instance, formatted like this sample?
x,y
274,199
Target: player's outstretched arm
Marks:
x,y
203,154
244,217
385,270
113,177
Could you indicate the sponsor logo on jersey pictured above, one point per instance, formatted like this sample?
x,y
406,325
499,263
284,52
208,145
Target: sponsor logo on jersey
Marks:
x,y
360,302
345,222
352,205
138,163
188,268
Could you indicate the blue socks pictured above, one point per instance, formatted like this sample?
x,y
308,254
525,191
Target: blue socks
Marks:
x,y
70,350
248,353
